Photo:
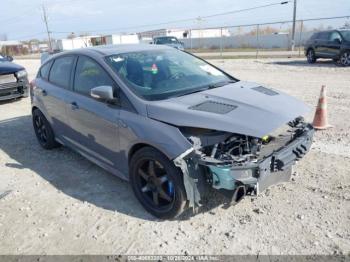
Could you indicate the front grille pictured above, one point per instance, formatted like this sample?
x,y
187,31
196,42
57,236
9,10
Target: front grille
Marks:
x,y
8,85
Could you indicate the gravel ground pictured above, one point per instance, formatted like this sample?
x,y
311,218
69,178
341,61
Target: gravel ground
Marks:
x,y
59,203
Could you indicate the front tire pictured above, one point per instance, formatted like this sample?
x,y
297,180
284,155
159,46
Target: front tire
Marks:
x,y
311,57
157,183
43,130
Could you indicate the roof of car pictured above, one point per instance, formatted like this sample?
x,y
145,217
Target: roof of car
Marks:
x,y
107,50
164,37
124,48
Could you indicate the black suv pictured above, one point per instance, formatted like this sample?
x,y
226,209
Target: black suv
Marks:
x,y
333,44
13,79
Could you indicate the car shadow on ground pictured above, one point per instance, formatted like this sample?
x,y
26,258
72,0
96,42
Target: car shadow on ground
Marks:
x,y
9,101
304,63
72,174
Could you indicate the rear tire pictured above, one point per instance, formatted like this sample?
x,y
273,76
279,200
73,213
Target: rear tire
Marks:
x,y
311,57
43,130
157,183
345,58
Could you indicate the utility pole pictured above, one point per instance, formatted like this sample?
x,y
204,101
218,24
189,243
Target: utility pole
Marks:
x,y
47,26
294,19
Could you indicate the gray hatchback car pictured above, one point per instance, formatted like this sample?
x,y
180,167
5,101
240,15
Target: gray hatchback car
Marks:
x,y
172,124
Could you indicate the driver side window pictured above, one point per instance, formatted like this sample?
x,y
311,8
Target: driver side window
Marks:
x,y
88,75
334,35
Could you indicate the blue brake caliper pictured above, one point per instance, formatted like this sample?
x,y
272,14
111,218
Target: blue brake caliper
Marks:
x,y
170,188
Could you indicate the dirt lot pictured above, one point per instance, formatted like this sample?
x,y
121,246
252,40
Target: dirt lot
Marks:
x,y
59,203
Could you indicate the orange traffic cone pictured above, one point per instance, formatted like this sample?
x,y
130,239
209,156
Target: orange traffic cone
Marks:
x,y
321,119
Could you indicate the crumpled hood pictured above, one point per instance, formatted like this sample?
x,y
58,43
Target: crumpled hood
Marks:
x,y
9,68
242,107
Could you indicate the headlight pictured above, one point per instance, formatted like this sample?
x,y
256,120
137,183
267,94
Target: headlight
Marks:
x,y
21,73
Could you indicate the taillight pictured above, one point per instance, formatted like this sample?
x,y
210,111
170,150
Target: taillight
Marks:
x,y
32,84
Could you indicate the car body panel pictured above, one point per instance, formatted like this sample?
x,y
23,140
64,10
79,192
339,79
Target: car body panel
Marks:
x,y
9,68
92,128
52,100
257,114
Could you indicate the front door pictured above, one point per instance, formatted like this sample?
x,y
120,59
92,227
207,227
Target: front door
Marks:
x,y
94,130
321,44
334,44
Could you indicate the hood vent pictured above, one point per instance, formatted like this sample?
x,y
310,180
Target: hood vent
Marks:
x,y
265,90
214,107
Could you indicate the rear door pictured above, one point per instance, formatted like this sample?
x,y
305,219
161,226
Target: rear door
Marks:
x,y
93,123
52,89
321,44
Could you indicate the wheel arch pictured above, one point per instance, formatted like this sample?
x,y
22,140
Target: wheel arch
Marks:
x,y
35,108
310,48
136,147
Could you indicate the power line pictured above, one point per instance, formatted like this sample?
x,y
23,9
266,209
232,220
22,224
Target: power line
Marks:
x,y
182,20
30,36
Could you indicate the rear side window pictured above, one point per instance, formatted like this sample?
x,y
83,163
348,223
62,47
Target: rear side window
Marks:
x,y
314,36
88,75
323,35
44,70
61,71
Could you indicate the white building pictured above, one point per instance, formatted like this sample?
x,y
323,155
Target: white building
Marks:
x,y
122,39
73,43
186,33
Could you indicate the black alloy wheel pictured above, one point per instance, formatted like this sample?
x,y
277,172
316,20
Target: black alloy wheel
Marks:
x,y
345,58
43,130
311,58
157,183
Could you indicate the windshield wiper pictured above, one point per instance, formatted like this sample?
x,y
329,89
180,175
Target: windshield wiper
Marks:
x,y
193,91
207,87
220,84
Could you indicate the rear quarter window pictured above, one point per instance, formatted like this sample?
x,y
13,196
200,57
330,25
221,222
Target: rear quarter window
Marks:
x,y
60,72
314,36
323,35
44,71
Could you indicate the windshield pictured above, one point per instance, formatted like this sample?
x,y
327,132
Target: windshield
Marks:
x,y
346,34
2,59
166,40
161,74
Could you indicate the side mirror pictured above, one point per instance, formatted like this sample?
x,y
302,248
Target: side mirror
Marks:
x,y
104,93
337,40
151,43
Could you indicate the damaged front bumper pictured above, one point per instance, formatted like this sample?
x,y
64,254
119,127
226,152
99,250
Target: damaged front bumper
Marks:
x,y
236,181
13,90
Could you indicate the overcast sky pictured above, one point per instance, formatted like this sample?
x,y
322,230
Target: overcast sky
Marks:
x,y
22,19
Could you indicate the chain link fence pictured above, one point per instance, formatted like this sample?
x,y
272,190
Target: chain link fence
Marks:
x,y
255,39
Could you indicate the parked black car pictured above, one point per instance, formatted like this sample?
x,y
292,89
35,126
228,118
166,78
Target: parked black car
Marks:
x,y
13,80
169,41
333,44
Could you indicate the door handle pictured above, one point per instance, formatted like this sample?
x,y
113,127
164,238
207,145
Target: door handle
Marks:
x,y
43,92
74,106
